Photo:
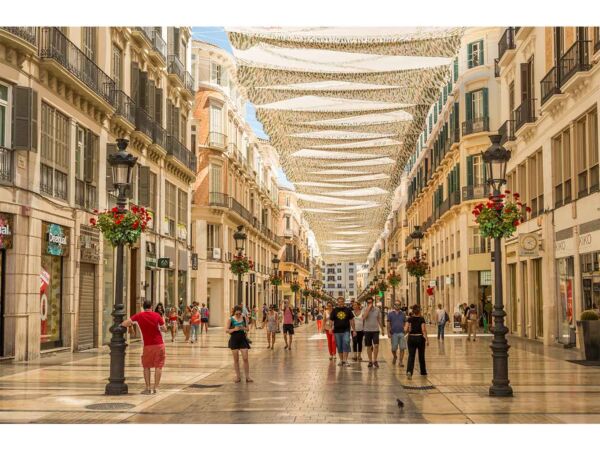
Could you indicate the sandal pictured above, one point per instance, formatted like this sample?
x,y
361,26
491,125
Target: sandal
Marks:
x,y
146,392
237,380
249,380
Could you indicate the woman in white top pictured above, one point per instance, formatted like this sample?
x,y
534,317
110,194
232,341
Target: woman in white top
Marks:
x,y
357,341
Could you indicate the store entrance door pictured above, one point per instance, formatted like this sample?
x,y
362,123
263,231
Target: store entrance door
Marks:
x,y
87,307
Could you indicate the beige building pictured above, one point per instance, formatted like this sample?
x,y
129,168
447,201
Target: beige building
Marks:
x,y
236,185
66,94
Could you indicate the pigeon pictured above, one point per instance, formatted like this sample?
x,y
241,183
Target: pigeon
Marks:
x,y
400,403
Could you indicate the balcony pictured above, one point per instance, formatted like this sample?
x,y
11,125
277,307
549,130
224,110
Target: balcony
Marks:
x,y
216,140
6,165
475,192
85,195
143,122
478,250
159,135
549,85
55,46
507,131
28,34
188,82
218,199
145,33
525,113
175,67
232,151
506,42
476,125
576,59
454,198
125,106
159,46
181,153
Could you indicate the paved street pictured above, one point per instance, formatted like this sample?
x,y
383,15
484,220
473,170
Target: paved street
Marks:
x,y
303,386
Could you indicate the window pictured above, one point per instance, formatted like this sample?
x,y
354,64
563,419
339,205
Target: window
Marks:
x,y
351,277
170,208
475,54
287,200
478,166
586,149
215,178
479,244
535,189
339,271
351,285
88,43
117,66
339,278
86,168
182,207
213,238
54,153
561,167
4,116
216,74
288,223
216,119
350,270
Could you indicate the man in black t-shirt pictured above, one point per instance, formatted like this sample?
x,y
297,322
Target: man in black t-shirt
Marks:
x,y
343,322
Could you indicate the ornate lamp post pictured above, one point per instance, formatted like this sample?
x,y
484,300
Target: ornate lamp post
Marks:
x,y
240,242
392,262
121,164
295,280
306,288
417,235
275,261
496,158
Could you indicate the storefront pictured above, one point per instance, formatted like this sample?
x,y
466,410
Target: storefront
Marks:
x,y
150,272
6,227
54,251
589,257
169,298
87,323
182,270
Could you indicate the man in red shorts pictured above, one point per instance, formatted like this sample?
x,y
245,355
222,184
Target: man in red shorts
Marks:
x,y
154,353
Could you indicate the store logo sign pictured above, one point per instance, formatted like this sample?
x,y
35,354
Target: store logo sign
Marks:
x,y
57,240
5,231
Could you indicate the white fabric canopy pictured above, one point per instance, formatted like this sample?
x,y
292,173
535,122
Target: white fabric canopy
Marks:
x,y
343,107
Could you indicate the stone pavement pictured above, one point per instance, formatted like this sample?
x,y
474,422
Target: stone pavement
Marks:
x,y
303,386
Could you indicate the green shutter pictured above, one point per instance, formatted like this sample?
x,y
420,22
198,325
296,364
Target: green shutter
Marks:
x,y
469,105
110,149
457,176
469,171
484,170
482,60
24,123
455,69
469,56
485,102
144,186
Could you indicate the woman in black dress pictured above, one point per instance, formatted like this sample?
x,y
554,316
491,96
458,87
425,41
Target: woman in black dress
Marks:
x,y
237,328
416,331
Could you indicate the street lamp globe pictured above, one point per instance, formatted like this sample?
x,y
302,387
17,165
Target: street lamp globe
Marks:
x,y
306,283
275,261
382,273
295,276
417,235
496,159
393,261
122,164
240,239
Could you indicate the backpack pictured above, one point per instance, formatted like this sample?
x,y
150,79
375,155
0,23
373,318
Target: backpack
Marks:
x,y
446,317
473,314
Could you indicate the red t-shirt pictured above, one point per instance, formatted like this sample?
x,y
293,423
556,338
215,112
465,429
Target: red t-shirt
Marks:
x,y
149,321
288,317
195,318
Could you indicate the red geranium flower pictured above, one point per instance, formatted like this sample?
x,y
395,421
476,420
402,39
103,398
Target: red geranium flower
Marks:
x,y
136,224
528,209
507,192
93,221
115,209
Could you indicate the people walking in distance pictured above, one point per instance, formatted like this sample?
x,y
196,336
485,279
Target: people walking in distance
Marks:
x,y
265,311
160,309
343,322
328,325
245,313
153,354
464,309
396,319
204,315
272,319
288,325
488,315
253,317
416,330
237,327
319,316
371,326
441,317
472,318
186,316
357,340
173,322
195,322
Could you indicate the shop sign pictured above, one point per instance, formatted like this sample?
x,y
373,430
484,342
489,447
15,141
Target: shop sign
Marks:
x,y
529,245
56,239
563,248
589,242
150,254
89,243
150,261
164,263
194,261
6,227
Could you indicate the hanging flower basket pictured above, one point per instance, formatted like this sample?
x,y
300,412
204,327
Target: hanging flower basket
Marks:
x,y
394,279
121,227
499,217
306,292
241,265
382,286
295,287
417,267
275,280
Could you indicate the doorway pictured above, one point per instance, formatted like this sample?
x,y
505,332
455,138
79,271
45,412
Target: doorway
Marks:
x,y
86,323
538,301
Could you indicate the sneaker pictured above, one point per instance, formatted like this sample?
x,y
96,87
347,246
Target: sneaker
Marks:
x,y
376,364
370,364
341,363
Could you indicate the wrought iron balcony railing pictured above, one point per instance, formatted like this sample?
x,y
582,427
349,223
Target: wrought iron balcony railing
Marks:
x,y
55,45
159,44
476,125
143,122
125,106
216,140
6,165
181,153
575,59
506,42
28,34
159,135
549,85
475,191
507,131
525,113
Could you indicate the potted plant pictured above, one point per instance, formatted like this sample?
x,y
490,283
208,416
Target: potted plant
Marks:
x,y
275,280
394,279
417,267
121,226
589,332
500,215
240,265
295,286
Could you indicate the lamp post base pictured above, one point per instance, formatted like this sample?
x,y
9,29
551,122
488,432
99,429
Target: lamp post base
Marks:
x,y
116,389
501,391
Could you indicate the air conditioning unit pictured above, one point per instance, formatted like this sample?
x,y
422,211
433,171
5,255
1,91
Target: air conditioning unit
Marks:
x,y
216,253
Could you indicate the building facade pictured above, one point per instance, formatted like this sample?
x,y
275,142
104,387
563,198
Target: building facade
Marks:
x,y
236,185
66,94
341,279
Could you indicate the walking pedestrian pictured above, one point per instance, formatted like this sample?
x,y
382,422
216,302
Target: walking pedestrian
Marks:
x,y
488,315
472,318
343,322
265,311
396,320
186,317
153,354
417,340
357,341
237,327
441,317
371,327
160,309
173,319
328,325
288,325
204,315
195,322
319,316
272,319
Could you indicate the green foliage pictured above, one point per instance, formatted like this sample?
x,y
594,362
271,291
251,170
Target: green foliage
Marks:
x,y
122,226
499,217
240,265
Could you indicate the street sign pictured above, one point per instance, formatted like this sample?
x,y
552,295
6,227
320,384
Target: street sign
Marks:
x,y
164,263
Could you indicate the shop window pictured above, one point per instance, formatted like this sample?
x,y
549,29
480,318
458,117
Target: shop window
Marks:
x,y
586,150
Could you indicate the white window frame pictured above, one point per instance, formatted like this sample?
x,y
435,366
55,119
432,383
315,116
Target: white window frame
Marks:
x,y
7,115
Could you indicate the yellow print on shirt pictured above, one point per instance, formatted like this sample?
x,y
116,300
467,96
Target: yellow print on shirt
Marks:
x,y
341,315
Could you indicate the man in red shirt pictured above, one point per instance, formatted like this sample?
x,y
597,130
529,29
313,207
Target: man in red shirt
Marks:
x,y
288,325
154,354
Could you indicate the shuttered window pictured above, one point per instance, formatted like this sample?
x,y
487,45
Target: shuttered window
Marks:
x,y
25,118
4,116
475,54
170,207
561,167
586,149
89,42
86,168
117,67
54,167
182,207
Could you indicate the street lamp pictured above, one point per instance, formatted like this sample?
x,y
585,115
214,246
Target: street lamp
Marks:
x,y
392,262
496,158
382,280
275,261
240,241
417,235
295,280
306,288
121,164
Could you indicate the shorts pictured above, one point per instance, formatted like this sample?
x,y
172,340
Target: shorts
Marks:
x,y
398,340
153,356
342,342
288,328
371,338
204,320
